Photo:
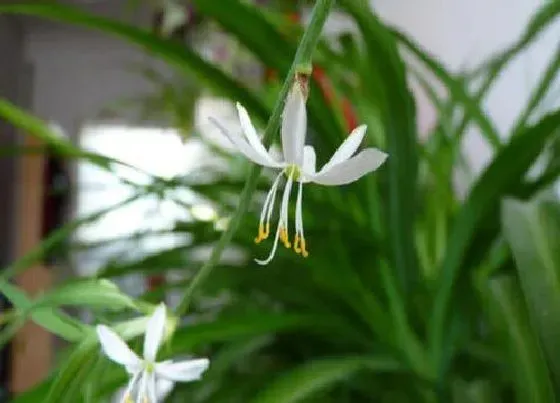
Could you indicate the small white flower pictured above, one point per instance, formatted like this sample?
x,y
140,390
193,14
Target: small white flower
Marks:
x,y
298,163
145,372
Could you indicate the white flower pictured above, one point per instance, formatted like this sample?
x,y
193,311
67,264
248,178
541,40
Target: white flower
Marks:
x,y
299,165
145,372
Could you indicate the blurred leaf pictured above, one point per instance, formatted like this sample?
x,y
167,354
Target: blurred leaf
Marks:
x,y
526,362
257,34
95,293
232,328
33,126
66,386
303,382
477,391
504,173
533,232
172,52
399,119
58,323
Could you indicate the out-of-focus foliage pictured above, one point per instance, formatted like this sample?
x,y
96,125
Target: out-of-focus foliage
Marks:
x,y
410,293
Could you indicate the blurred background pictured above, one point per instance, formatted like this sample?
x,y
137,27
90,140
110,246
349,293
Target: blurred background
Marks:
x,y
435,279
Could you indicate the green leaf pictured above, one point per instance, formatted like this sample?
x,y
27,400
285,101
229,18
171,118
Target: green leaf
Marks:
x,y
37,128
233,328
303,382
56,322
387,71
504,174
533,232
526,362
66,382
94,293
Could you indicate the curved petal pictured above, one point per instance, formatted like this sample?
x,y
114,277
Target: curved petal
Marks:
x,y
116,349
142,395
126,397
155,330
182,371
252,135
151,388
294,126
352,169
347,148
245,148
163,387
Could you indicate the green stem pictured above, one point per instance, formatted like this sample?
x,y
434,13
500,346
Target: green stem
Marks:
x,y
302,58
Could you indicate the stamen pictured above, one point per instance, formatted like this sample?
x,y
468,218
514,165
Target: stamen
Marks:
x,y
304,252
127,396
297,247
281,229
266,212
299,241
262,235
284,237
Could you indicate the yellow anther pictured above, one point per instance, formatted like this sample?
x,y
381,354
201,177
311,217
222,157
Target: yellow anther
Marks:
x,y
262,235
284,237
128,398
297,247
304,252
267,231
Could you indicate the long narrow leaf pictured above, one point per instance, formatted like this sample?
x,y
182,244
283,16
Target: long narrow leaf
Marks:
x,y
533,231
303,382
503,175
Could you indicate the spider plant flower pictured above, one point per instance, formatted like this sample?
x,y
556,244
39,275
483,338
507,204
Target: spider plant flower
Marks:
x,y
145,372
298,164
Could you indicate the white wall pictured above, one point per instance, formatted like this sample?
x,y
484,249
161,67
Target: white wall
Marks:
x,y
464,33
78,73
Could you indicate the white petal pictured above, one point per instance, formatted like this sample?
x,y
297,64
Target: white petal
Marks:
x,y
294,126
151,388
155,330
128,392
163,387
143,391
309,160
183,371
245,148
347,148
252,135
116,349
353,169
